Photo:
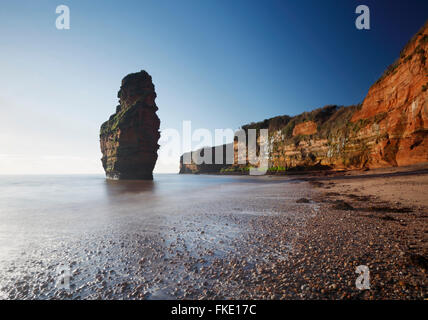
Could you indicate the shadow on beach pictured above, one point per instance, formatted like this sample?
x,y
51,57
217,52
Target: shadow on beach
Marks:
x,y
375,173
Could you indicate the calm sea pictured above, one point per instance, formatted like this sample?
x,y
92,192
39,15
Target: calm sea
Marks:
x,y
37,209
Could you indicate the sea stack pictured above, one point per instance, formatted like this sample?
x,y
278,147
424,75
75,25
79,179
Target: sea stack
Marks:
x,y
129,139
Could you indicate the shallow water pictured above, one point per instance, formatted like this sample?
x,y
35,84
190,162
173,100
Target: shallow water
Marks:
x,y
129,239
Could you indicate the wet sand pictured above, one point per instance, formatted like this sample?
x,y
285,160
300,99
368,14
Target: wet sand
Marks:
x,y
212,242
298,237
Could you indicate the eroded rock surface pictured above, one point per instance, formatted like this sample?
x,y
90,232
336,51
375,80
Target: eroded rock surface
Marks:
x,y
129,139
305,128
390,127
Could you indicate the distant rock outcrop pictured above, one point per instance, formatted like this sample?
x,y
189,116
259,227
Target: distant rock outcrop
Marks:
x,y
129,139
390,127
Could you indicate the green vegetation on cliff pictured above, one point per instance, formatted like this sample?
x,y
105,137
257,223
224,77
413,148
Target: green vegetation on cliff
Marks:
x,y
331,121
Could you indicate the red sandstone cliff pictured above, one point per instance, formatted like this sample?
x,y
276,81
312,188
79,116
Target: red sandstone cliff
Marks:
x,y
400,97
390,128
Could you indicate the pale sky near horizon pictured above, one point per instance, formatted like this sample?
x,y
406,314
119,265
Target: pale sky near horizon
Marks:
x,y
219,64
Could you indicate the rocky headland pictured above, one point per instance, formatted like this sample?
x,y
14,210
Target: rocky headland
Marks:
x,y
389,128
129,139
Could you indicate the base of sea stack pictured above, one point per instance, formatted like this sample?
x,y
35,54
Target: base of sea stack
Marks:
x,y
129,176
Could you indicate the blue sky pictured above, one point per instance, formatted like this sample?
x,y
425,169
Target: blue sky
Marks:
x,y
220,64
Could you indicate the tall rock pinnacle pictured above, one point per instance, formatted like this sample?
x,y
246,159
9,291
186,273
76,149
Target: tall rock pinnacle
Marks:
x,y
129,139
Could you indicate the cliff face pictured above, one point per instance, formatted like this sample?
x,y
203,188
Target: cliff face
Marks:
x,y
390,127
129,139
200,166
400,98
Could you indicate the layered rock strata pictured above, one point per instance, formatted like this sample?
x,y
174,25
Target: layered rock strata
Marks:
x,y
390,127
129,139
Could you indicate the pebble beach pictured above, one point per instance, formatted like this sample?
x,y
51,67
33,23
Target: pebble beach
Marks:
x,y
299,237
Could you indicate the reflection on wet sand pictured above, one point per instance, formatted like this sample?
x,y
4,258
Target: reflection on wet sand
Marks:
x,y
174,237
119,187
